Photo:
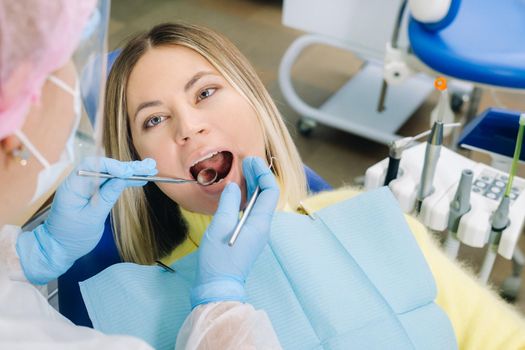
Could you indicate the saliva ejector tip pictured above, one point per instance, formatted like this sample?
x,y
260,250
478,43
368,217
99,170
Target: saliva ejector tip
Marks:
x,y
440,83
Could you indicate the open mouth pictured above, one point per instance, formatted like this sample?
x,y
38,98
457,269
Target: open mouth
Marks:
x,y
221,162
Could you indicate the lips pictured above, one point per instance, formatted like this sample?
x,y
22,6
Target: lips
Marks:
x,y
220,161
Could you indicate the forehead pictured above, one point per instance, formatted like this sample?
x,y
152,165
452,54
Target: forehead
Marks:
x,y
166,66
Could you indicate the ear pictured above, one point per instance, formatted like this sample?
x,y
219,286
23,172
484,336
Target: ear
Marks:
x,y
9,143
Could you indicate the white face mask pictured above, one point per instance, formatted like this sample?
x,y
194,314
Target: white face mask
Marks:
x,y
48,177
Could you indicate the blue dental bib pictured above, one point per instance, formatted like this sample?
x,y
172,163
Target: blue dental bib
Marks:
x,y
352,277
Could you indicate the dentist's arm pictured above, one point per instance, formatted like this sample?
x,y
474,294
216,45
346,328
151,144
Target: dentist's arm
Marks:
x,y
74,227
220,319
76,221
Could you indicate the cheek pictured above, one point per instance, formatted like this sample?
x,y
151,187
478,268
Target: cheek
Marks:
x,y
252,138
178,193
158,147
248,136
190,198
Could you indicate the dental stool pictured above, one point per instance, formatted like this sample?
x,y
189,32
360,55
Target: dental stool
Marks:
x,y
106,254
481,42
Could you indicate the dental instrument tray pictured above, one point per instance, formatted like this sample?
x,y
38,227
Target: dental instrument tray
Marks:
x,y
487,188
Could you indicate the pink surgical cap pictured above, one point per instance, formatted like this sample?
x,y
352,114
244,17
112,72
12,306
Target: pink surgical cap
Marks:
x,y
36,38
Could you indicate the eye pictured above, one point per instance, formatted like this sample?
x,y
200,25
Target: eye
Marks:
x,y
204,94
154,121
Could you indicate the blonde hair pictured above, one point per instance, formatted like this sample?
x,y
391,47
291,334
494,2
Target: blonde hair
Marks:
x,y
139,231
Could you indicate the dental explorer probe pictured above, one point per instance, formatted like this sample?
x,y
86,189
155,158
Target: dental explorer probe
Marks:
x,y
459,206
397,148
433,149
247,211
205,177
500,218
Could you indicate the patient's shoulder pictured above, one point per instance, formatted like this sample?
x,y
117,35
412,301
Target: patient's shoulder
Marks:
x,y
323,199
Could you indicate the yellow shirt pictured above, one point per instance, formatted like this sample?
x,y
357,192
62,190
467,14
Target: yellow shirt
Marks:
x,y
481,320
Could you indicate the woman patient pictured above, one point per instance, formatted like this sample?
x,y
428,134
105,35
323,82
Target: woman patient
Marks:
x,y
186,97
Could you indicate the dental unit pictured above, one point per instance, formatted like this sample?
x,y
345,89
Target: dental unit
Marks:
x,y
396,148
433,148
500,218
458,207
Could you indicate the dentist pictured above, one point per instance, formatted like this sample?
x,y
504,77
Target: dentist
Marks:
x,y
44,75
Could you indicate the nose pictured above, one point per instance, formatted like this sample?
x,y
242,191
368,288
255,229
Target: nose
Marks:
x,y
188,127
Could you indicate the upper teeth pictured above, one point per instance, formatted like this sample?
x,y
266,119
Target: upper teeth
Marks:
x,y
208,156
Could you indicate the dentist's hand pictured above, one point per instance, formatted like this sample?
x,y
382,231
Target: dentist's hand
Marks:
x,y
76,220
222,270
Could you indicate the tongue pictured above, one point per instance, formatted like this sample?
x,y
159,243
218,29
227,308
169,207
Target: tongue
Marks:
x,y
221,163
214,162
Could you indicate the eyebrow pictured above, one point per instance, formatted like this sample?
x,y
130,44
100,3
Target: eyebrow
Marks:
x,y
188,86
146,105
195,78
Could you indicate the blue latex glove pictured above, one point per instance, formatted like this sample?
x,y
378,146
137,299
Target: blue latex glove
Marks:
x,y
76,221
222,270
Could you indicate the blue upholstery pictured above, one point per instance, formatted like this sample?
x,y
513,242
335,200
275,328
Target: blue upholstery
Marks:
x,y
70,301
315,182
105,254
484,43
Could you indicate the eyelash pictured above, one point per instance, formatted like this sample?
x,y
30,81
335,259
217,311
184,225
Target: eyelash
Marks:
x,y
147,123
199,99
199,96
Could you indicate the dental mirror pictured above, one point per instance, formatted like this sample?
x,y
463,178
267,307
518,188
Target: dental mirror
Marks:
x,y
205,177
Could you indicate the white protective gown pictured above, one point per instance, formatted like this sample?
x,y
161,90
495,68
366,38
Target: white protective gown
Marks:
x,y
27,321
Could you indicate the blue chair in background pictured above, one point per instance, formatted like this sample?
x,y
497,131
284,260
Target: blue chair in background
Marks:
x,y
479,41
106,254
